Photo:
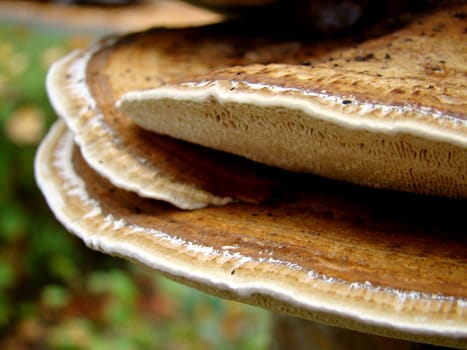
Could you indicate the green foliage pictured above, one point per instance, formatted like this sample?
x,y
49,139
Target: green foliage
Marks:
x,y
54,292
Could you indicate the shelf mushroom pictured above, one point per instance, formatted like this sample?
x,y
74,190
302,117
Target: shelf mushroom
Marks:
x,y
382,114
389,264
381,262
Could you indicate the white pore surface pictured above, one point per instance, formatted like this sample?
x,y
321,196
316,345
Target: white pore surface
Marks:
x,y
204,91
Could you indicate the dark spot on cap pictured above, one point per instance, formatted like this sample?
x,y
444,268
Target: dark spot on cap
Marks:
x,y
460,14
367,57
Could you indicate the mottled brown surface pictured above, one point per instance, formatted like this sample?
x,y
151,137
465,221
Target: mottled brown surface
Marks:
x,y
422,65
409,251
343,249
393,240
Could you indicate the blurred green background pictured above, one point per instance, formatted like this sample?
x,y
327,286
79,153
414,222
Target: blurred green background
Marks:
x,y
54,292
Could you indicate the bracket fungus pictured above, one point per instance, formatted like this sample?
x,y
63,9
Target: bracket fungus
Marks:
x,y
386,258
384,114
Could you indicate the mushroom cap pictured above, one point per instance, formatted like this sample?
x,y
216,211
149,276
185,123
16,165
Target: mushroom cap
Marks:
x,y
85,85
387,113
388,263
105,139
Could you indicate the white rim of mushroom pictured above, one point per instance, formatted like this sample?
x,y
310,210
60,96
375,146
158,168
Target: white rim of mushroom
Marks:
x,y
74,103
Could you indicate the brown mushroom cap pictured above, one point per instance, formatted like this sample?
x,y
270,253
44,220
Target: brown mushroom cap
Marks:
x,y
388,113
387,263
84,87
